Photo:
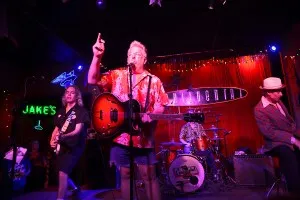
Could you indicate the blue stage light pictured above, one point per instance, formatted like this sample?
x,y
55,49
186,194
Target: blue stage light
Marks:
x,y
79,67
273,48
100,3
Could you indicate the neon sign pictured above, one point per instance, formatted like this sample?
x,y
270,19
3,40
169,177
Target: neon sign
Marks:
x,y
65,79
204,96
38,126
39,110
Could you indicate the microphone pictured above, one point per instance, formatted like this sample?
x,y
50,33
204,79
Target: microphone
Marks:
x,y
131,66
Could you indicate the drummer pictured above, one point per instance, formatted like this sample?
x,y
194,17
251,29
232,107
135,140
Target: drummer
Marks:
x,y
190,132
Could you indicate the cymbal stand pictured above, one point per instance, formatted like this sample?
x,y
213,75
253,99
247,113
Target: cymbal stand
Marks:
x,y
166,186
220,158
221,169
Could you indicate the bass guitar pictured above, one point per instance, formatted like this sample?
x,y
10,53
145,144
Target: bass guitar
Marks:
x,y
110,116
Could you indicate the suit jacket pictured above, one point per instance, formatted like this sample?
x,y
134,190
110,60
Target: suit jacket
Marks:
x,y
276,128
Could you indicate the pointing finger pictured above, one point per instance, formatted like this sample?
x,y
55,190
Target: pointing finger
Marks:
x,y
99,38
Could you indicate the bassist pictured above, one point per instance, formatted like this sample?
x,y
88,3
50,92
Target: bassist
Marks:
x,y
69,134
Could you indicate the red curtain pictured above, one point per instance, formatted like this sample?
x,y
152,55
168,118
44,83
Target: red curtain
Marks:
x,y
245,72
291,67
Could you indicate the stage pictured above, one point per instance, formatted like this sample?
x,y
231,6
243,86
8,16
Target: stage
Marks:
x,y
239,192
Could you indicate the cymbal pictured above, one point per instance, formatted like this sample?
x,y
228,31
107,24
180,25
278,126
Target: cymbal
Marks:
x,y
217,138
213,129
172,144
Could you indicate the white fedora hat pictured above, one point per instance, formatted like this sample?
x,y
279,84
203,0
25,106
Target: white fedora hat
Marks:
x,y
272,83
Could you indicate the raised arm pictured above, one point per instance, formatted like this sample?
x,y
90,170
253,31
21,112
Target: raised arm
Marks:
x,y
98,51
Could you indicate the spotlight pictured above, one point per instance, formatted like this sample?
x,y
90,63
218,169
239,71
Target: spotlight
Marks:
x,y
79,67
211,4
273,48
155,2
100,3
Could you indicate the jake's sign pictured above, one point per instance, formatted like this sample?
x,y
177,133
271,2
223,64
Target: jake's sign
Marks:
x,y
203,96
31,109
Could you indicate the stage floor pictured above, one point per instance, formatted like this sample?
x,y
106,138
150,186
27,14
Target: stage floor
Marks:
x,y
238,193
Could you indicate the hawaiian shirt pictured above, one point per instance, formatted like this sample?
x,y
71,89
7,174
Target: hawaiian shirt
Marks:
x,y
117,82
191,131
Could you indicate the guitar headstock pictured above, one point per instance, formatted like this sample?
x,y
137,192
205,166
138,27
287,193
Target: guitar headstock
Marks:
x,y
194,117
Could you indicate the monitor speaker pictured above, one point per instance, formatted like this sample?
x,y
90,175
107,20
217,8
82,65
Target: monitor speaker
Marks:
x,y
253,170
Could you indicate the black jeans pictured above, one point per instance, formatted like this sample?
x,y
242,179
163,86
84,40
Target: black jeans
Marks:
x,y
289,163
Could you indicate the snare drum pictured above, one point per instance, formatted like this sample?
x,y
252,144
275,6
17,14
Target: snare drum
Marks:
x,y
202,143
186,173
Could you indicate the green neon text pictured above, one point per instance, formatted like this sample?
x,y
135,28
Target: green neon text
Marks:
x,y
39,110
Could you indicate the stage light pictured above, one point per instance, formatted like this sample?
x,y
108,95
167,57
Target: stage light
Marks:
x,y
155,2
100,3
211,4
79,67
273,48
215,3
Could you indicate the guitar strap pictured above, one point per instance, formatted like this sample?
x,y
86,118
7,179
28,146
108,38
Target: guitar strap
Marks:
x,y
65,126
148,93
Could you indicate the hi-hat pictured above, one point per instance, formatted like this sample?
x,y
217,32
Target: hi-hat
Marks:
x,y
172,144
214,129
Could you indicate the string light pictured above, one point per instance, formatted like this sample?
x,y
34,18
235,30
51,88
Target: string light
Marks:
x,y
180,65
6,110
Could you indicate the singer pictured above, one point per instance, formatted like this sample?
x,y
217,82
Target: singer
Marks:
x,y
72,141
149,92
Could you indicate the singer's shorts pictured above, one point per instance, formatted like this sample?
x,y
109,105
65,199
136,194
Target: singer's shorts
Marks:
x,y
120,156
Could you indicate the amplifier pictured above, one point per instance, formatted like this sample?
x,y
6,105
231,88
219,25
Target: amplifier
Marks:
x,y
253,170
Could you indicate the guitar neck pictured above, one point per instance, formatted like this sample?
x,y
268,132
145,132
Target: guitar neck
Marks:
x,y
166,116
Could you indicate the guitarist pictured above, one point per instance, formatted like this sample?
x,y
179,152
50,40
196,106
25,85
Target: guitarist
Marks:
x,y
149,92
69,134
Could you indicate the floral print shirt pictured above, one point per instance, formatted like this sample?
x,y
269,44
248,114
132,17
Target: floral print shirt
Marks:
x,y
191,131
117,82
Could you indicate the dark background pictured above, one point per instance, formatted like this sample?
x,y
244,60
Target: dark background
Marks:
x,y
48,37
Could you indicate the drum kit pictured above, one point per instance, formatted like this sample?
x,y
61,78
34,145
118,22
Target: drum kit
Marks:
x,y
189,171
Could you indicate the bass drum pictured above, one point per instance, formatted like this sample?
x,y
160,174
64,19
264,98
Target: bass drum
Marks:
x,y
186,173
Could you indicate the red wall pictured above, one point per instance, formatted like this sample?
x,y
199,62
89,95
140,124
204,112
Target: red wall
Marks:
x,y
237,116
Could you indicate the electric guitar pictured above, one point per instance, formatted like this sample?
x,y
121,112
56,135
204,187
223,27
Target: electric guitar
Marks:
x,y
62,131
110,116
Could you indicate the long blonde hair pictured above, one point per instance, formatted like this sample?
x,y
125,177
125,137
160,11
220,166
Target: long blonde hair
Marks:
x,y
78,96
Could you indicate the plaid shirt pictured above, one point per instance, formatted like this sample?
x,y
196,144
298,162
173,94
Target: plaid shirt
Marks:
x,y
117,82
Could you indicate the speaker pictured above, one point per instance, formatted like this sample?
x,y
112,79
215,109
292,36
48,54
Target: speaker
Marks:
x,y
254,170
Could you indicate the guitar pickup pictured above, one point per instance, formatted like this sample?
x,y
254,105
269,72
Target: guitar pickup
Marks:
x,y
114,115
101,114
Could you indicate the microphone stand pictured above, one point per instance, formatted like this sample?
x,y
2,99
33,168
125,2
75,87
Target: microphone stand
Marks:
x,y
13,137
130,132
16,113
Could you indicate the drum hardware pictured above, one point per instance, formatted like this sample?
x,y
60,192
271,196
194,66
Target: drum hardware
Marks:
x,y
201,143
214,129
179,167
171,144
